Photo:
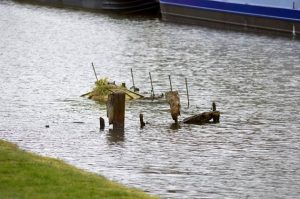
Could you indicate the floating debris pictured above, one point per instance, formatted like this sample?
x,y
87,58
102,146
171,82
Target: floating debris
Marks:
x,y
78,122
116,95
204,117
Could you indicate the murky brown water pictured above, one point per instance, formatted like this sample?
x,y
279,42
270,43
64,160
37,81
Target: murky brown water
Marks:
x,y
45,57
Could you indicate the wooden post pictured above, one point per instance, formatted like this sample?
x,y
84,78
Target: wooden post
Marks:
x,y
152,90
102,123
142,123
215,113
170,83
116,110
214,107
132,79
95,72
187,92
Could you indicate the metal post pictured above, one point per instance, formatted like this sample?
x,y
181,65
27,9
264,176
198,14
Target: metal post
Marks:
x,y
132,79
187,92
170,82
95,72
152,90
294,5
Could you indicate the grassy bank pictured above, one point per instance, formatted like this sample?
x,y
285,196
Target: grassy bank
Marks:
x,y
26,175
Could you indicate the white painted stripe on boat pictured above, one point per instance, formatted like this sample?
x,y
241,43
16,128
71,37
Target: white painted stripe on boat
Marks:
x,y
234,12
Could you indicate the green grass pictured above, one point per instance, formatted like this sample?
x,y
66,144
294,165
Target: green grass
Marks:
x,y
26,175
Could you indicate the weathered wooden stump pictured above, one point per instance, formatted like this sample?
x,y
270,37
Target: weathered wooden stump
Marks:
x,y
142,123
172,98
116,110
214,106
204,117
102,123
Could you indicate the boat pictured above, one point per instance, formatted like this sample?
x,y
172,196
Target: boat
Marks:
x,y
282,16
131,6
124,6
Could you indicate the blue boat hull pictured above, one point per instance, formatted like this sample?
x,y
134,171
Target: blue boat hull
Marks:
x,y
222,14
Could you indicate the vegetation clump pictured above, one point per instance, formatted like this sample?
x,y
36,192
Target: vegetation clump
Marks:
x,y
103,88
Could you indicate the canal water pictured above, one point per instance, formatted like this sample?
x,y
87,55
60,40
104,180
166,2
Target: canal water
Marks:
x,y
254,152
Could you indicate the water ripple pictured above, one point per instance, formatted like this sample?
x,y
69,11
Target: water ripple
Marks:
x,y
45,55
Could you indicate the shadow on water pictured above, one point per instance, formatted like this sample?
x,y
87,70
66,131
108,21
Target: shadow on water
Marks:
x,y
175,126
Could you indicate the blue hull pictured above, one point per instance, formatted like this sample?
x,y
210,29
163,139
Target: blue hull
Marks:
x,y
283,17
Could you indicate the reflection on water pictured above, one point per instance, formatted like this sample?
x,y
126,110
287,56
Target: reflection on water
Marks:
x,y
115,136
175,126
45,57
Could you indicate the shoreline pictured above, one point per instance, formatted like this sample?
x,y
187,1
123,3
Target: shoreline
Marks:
x,y
27,175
